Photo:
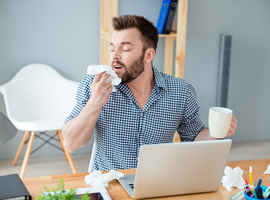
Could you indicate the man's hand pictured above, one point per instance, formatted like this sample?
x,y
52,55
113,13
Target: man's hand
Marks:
x,y
101,90
205,135
233,126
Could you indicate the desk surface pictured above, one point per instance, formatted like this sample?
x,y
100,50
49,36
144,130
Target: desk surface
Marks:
x,y
35,184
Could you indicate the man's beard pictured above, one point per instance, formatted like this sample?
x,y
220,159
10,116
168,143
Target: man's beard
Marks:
x,y
133,71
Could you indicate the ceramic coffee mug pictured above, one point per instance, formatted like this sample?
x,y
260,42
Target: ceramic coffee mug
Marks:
x,y
219,121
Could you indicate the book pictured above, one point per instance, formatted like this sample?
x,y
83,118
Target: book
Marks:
x,y
12,187
172,10
163,15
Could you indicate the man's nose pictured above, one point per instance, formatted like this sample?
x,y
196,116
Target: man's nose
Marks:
x,y
115,55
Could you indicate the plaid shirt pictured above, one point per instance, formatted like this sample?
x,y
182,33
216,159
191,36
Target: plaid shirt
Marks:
x,y
122,127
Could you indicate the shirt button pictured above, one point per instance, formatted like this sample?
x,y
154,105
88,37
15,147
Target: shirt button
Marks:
x,y
141,114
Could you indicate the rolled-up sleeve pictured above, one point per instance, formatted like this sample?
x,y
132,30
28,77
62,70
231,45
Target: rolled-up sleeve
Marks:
x,y
82,96
191,124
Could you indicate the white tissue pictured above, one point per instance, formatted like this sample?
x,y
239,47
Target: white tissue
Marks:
x,y
233,178
96,69
268,170
96,178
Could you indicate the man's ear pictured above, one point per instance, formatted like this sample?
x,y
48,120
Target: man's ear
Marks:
x,y
149,55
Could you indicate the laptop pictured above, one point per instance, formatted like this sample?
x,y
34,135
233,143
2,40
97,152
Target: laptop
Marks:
x,y
178,168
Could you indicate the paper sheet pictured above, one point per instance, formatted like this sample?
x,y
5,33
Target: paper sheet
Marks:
x,y
97,69
96,178
233,178
267,170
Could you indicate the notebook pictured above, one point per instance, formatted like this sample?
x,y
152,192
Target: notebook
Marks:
x,y
178,168
12,187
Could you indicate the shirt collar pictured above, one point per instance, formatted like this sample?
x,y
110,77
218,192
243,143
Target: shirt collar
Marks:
x,y
159,79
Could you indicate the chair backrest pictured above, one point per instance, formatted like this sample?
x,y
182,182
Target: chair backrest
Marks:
x,y
92,157
38,92
7,129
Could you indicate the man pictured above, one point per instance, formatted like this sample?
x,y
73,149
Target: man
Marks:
x,y
147,108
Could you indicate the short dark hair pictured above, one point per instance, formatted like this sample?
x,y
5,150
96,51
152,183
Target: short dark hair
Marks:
x,y
149,32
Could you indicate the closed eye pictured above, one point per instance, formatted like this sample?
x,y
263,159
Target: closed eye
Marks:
x,y
112,47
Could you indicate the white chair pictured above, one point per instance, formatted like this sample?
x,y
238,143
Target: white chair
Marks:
x,y
7,129
38,99
92,157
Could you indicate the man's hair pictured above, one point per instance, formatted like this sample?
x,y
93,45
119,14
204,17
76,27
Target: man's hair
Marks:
x,y
149,33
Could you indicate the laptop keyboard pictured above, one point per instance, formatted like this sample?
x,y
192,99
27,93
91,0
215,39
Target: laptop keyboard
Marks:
x,y
131,185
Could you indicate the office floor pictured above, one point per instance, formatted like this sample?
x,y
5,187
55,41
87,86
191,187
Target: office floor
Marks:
x,y
58,165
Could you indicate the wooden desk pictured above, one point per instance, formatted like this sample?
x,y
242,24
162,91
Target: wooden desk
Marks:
x,y
34,185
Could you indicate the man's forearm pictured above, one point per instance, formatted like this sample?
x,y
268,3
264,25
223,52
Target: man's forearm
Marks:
x,y
78,131
204,135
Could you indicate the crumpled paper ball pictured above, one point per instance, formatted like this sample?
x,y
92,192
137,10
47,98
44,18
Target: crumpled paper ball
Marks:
x,y
96,178
97,69
268,170
233,178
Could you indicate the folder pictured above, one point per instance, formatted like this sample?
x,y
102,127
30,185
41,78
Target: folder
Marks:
x,y
172,10
12,187
163,15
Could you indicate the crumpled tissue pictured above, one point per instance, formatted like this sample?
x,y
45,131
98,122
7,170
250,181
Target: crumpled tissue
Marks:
x,y
96,69
268,170
96,178
233,178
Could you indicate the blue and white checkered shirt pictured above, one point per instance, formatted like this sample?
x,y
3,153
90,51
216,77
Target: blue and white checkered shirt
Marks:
x,y
122,127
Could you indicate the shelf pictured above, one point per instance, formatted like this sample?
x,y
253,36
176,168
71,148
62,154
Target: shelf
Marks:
x,y
174,35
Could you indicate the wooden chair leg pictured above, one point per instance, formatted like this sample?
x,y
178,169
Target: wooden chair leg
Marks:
x,y
61,143
176,137
27,153
20,147
69,158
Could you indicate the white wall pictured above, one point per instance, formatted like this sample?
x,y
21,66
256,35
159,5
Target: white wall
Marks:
x,y
61,33
65,35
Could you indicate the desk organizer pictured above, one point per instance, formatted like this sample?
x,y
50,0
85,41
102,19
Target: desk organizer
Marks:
x,y
250,198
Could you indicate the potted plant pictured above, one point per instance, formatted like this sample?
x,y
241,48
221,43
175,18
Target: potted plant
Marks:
x,y
61,194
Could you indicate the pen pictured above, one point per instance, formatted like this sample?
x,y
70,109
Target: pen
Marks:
x,y
259,193
251,187
258,190
250,175
258,185
248,192
266,193
255,194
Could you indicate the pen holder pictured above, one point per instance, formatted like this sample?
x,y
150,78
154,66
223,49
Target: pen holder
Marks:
x,y
251,198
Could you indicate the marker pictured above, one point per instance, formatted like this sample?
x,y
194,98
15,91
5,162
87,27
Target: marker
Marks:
x,y
255,194
258,185
266,193
258,190
248,192
259,193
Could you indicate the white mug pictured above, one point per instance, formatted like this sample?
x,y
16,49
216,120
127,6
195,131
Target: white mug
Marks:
x,y
219,121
